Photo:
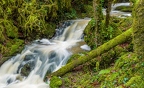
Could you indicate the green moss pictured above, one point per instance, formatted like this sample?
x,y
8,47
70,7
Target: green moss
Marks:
x,y
138,30
94,53
115,31
134,82
90,34
88,11
116,27
72,14
49,32
106,71
107,58
78,79
111,56
111,77
2,37
11,30
73,57
55,82
30,18
2,49
125,60
11,47
16,46
3,59
127,71
125,23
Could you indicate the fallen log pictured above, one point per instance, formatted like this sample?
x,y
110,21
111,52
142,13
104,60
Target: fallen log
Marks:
x,y
94,53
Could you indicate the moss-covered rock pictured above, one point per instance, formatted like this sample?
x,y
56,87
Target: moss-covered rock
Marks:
x,y
90,34
55,82
10,48
26,70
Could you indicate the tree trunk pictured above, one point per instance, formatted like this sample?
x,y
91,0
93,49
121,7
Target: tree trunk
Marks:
x,y
108,10
98,16
138,28
94,53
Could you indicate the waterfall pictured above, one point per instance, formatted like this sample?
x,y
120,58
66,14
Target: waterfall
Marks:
x,y
43,56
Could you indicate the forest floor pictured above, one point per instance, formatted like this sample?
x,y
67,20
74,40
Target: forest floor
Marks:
x,y
80,77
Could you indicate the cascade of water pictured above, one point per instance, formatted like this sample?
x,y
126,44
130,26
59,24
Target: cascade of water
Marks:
x,y
43,56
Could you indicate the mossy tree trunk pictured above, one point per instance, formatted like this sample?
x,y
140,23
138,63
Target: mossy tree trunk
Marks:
x,y
98,16
94,53
138,28
108,10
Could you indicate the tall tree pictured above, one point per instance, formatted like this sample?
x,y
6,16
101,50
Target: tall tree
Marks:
x,y
98,16
108,10
138,28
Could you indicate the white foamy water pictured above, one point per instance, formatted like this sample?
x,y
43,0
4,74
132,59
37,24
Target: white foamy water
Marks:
x,y
117,12
42,56
85,47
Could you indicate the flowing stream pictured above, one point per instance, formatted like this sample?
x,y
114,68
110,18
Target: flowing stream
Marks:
x,y
43,56
118,13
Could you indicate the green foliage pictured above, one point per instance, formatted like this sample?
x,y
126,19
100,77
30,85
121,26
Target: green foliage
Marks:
x,y
30,19
2,49
127,72
88,11
105,34
15,47
11,47
64,3
71,14
78,79
11,30
135,82
125,23
30,16
33,17
2,37
108,34
7,29
102,1
55,82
